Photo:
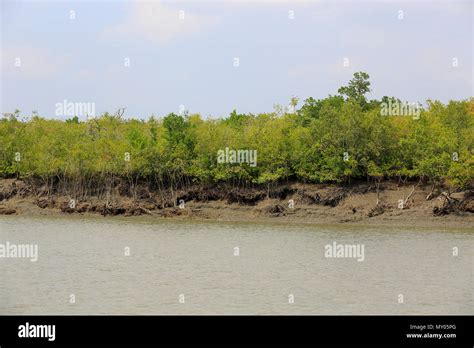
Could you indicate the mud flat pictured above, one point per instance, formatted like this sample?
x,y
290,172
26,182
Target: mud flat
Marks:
x,y
404,205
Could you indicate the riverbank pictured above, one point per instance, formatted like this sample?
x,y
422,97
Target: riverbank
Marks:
x,y
405,205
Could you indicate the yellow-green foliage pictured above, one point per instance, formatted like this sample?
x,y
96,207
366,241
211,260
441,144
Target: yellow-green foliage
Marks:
x,y
308,145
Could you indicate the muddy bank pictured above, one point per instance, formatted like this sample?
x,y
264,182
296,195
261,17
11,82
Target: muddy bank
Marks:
x,y
299,203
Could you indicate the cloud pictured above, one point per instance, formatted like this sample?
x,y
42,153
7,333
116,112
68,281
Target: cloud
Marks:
x,y
160,23
30,62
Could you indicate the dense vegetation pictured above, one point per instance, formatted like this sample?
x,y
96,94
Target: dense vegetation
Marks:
x,y
339,139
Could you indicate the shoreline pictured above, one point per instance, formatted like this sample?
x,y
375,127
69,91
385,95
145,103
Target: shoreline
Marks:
x,y
443,223
309,204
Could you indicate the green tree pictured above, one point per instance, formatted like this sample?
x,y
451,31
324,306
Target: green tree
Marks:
x,y
357,88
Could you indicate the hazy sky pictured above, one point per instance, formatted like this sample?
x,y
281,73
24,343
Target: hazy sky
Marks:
x,y
414,51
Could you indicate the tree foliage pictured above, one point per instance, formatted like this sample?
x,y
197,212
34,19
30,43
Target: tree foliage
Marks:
x,y
336,139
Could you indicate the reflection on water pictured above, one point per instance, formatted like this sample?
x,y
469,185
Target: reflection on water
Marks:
x,y
231,268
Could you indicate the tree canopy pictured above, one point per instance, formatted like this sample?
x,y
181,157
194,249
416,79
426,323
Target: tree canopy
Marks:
x,y
337,139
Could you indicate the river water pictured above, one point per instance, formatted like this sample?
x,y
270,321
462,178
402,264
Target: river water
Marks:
x,y
144,266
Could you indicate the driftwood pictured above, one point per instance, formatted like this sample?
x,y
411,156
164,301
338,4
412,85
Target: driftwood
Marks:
x,y
450,204
447,198
405,202
430,195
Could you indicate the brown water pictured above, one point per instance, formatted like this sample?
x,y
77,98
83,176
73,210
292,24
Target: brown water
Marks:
x,y
86,257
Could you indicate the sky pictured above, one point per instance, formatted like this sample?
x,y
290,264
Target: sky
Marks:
x,y
210,57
